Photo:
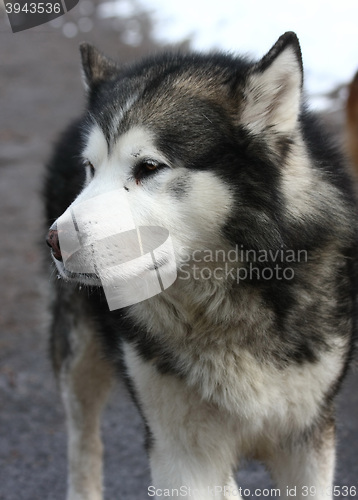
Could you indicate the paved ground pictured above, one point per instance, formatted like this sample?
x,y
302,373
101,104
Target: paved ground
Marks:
x,y
40,90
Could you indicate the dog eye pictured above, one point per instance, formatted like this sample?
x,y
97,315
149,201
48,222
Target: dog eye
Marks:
x,y
147,167
150,165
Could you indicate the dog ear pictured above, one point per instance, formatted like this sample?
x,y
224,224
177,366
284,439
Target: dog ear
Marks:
x,y
272,94
95,66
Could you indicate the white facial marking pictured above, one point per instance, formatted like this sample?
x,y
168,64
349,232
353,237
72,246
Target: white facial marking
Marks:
x,y
122,111
96,149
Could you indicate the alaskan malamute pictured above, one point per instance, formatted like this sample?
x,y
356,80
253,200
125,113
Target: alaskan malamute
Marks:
x,y
206,241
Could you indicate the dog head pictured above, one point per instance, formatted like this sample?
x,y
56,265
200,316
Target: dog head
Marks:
x,y
175,148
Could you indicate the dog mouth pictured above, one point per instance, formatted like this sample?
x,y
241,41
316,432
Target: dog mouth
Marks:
x,y
81,278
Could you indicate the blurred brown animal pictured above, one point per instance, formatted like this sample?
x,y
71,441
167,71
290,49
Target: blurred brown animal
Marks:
x,y
352,122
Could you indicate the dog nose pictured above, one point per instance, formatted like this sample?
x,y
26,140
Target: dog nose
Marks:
x,y
52,241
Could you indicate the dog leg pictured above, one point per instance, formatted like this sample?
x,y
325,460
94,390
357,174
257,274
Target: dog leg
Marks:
x,y
307,469
193,449
85,379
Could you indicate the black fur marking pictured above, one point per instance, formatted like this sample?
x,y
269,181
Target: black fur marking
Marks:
x,y
162,72
62,322
329,160
65,174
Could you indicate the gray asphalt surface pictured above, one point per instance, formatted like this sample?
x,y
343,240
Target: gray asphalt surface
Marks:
x,y
40,91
